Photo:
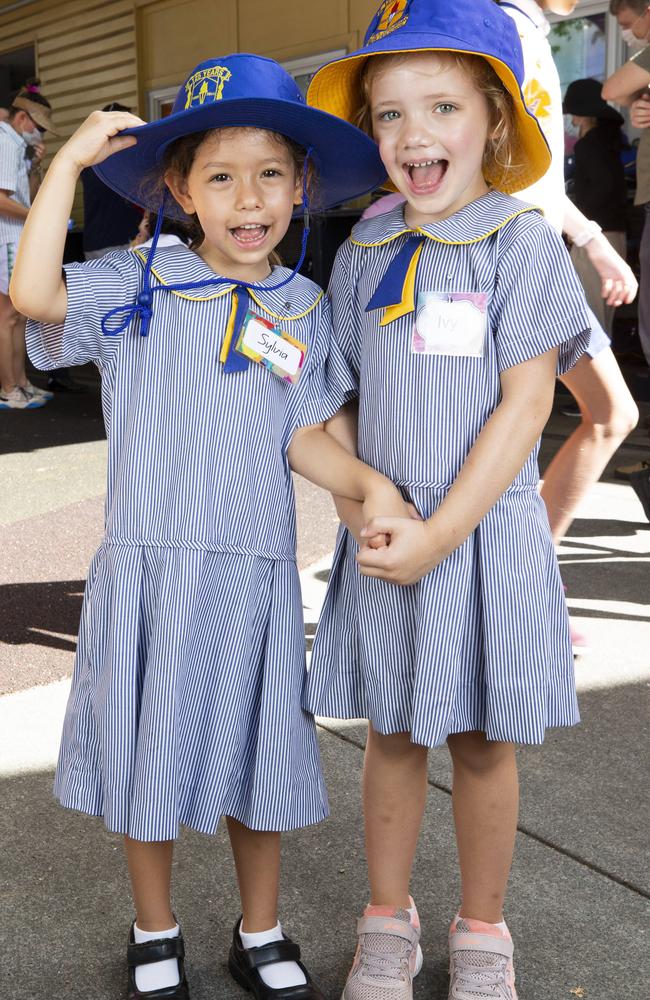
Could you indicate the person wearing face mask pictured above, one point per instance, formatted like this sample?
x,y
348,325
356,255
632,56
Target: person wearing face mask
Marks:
x,y
21,152
606,409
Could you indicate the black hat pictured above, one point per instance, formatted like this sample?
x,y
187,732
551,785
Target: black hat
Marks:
x,y
583,98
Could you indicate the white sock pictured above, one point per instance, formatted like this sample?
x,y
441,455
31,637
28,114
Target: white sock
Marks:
x,y
156,975
280,974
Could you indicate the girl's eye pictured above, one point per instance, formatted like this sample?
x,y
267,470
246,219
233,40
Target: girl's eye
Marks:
x,y
221,177
272,172
388,116
445,109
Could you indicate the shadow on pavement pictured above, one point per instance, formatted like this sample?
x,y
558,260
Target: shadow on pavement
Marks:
x,y
31,612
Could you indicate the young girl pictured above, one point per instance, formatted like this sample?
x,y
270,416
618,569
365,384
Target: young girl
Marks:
x,y
454,312
185,703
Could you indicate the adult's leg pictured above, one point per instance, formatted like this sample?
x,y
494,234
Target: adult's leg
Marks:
x,y
394,796
608,415
485,803
11,328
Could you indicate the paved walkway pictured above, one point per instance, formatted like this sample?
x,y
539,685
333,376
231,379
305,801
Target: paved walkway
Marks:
x,y
578,904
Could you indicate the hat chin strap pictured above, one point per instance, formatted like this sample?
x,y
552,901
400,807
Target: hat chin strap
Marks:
x,y
143,305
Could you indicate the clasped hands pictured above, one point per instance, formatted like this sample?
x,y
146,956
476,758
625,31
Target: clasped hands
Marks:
x,y
396,544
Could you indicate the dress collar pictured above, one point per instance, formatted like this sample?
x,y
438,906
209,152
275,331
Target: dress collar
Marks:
x,y
474,222
177,264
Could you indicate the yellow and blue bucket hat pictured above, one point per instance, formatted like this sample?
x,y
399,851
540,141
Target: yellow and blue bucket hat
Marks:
x,y
469,27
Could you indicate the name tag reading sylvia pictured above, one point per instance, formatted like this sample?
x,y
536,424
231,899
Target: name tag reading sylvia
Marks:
x,y
452,324
271,347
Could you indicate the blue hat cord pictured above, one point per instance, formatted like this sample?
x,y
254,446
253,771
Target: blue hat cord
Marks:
x,y
143,305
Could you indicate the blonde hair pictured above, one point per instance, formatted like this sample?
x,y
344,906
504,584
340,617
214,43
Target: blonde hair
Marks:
x,y
502,143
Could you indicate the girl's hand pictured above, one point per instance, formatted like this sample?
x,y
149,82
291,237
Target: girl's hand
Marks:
x,y
413,551
640,111
98,138
619,284
385,501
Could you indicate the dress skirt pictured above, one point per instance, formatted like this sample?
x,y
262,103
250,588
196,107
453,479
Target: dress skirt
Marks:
x,y
479,644
186,696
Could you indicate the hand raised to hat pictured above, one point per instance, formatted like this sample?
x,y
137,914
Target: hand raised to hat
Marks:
x,y
98,138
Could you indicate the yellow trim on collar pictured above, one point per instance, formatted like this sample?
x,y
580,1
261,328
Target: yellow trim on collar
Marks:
x,y
438,239
286,319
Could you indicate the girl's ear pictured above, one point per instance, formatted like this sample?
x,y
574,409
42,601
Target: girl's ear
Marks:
x,y
178,187
297,191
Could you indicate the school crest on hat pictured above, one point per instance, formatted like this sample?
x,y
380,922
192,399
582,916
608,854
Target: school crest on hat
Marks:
x,y
206,86
392,14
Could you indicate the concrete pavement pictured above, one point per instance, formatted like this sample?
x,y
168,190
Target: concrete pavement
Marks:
x,y
578,904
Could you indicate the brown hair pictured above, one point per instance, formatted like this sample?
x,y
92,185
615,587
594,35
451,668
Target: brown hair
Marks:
x,y
501,146
179,157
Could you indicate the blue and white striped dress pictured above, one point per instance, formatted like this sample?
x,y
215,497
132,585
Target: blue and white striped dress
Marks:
x,y
482,642
190,668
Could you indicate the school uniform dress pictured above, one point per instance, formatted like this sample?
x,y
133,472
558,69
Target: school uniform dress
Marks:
x,y
186,695
481,642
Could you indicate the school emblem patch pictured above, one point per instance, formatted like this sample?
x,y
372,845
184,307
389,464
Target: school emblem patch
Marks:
x,y
206,86
392,14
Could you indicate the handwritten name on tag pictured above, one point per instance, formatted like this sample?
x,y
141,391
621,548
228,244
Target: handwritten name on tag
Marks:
x,y
454,324
271,347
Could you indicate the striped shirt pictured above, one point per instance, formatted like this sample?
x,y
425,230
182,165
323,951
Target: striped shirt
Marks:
x,y
14,179
197,457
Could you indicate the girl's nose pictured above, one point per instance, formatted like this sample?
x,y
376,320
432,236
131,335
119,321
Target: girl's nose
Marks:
x,y
249,195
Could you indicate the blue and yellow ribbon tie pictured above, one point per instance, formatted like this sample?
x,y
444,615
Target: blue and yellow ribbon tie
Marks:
x,y
230,357
395,292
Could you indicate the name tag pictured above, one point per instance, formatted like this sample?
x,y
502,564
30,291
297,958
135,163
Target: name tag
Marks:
x,y
452,324
271,347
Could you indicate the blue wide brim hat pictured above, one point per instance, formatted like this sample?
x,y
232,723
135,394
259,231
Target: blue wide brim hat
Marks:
x,y
467,27
248,91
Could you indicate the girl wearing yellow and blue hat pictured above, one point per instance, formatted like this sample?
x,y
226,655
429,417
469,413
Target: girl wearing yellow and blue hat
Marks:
x,y
454,311
217,372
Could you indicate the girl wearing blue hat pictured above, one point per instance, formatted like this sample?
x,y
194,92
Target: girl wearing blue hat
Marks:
x,y
217,371
454,312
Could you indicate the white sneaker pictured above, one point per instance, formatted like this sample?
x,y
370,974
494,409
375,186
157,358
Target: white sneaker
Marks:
x,y
37,392
20,399
480,961
388,956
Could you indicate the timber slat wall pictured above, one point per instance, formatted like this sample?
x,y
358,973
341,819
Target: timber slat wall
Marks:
x,y
85,58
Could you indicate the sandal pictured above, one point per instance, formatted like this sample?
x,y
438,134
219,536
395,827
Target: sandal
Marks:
x,y
244,965
157,951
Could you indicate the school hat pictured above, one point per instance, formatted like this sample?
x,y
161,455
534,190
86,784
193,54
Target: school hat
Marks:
x,y
473,27
583,98
247,91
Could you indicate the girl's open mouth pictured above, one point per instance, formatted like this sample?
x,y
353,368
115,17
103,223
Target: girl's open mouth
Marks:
x,y
425,176
250,236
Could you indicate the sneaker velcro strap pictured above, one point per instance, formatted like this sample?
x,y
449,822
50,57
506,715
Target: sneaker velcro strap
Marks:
x,y
155,951
268,954
481,942
387,925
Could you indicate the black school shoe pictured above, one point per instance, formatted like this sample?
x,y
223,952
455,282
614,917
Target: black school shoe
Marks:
x,y
244,965
156,951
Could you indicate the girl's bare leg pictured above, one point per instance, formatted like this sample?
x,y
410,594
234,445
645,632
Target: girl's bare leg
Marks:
x,y
486,804
150,869
394,796
257,860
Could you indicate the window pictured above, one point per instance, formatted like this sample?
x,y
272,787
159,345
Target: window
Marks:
x,y
302,70
15,67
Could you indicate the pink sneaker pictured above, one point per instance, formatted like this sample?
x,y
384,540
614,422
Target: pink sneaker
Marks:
x,y
480,961
388,956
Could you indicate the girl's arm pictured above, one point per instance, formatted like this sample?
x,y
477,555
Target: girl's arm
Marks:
x,y
494,461
37,286
317,456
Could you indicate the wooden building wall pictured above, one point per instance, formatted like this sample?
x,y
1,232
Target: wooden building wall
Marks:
x,y
91,52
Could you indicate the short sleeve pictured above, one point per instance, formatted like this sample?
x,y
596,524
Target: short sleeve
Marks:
x,y
346,317
328,382
10,157
93,289
642,59
538,302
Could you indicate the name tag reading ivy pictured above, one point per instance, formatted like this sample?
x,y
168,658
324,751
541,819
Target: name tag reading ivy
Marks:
x,y
269,346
